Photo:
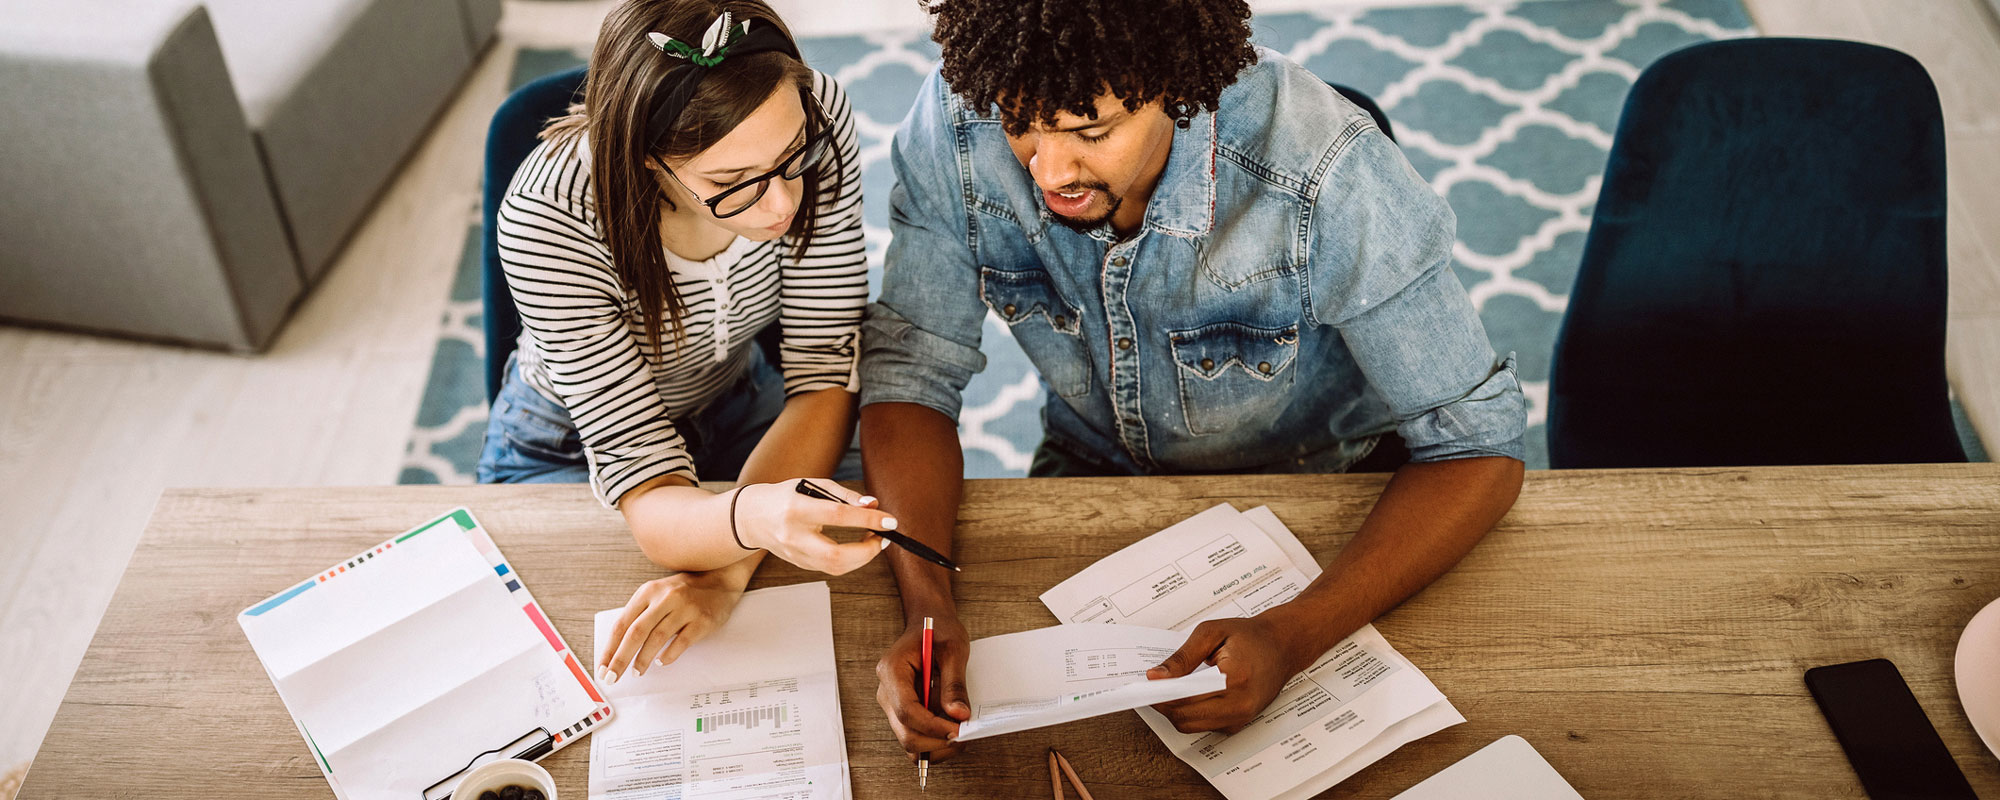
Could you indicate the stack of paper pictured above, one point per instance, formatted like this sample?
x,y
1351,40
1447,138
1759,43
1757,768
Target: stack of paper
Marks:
x,y
751,712
1357,703
1070,672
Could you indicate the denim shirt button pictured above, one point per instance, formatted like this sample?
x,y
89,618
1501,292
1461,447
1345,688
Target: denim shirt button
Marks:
x,y
1264,367
1207,364
1007,309
1061,321
1124,342
1118,262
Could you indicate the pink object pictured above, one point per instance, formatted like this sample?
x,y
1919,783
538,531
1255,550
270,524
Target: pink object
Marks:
x,y
535,613
1977,670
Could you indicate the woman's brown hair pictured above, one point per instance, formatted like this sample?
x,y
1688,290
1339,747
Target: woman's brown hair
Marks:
x,y
625,71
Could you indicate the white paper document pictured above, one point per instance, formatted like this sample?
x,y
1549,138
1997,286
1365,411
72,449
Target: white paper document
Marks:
x,y
1360,701
1507,769
1044,677
750,713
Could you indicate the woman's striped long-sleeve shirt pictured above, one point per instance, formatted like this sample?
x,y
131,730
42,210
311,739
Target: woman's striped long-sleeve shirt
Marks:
x,y
583,341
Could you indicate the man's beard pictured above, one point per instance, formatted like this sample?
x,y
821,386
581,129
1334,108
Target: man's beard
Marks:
x,y
1088,224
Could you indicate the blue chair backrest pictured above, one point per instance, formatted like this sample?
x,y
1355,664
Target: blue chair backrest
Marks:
x,y
1764,281
509,139
1368,104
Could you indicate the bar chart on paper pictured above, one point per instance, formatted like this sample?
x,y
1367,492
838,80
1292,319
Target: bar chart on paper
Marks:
x,y
752,706
747,718
748,742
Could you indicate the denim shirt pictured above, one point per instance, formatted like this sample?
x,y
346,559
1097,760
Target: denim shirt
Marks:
x,y
1287,298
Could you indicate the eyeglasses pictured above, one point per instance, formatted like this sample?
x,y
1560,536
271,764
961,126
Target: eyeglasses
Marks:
x,y
739,198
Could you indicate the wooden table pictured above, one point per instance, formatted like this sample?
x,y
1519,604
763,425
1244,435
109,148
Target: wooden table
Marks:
x,y
1646,629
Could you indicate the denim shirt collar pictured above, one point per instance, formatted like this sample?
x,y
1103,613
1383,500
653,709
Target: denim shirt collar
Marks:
x,y
1183,202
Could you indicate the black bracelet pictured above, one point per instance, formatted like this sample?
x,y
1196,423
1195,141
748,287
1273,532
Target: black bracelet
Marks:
x,y
738,495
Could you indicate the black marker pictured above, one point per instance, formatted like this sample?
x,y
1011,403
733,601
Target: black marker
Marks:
x,y
915,547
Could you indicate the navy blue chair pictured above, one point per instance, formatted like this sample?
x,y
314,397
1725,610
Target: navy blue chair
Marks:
x,y
1764,280
509,139
1367,104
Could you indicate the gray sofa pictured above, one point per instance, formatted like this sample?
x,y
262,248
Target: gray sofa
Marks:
x,y
185,169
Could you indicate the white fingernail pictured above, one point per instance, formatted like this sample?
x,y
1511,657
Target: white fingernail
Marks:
x,y
658,663
612,679
888,523
866,499
885,544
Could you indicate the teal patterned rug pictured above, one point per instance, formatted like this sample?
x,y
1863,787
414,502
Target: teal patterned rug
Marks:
x,y
1507,108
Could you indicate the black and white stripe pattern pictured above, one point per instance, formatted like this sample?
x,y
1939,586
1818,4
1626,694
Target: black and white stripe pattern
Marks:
x,y
583,341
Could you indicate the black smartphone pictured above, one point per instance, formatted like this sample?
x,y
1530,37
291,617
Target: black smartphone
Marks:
x,y
1885,733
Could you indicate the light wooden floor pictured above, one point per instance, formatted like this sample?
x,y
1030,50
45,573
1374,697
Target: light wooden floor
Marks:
x,y
92,429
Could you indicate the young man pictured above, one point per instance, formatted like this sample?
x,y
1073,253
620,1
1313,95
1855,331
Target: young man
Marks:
x,y
1218,265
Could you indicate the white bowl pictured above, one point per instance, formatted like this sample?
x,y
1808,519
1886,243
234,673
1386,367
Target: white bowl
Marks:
x,y
1977,671
493,775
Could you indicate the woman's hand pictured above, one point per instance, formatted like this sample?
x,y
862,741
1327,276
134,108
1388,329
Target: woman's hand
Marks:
x,y
667,615
775,517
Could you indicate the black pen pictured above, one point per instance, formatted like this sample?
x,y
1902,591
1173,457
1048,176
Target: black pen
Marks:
x,y
915,547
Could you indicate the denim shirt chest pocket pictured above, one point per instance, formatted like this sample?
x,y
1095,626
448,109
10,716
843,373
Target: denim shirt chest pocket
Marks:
x,y
1043,322
1231,372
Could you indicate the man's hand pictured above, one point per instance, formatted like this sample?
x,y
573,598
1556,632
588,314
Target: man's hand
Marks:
x,y
901,688
1256,661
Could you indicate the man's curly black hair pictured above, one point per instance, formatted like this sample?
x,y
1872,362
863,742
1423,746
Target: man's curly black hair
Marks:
x,y
1040,57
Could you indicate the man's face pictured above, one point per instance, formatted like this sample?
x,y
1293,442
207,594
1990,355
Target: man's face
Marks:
x,y
1089,169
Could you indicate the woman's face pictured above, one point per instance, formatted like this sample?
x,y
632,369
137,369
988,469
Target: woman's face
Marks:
x,y
773,132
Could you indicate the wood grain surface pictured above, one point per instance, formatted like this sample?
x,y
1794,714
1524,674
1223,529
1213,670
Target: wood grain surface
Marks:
x,y
1646,630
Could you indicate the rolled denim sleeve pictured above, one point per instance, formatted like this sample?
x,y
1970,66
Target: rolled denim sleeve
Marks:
x,y
920,341
1381,273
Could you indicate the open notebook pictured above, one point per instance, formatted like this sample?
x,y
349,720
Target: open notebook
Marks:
x,y
418,658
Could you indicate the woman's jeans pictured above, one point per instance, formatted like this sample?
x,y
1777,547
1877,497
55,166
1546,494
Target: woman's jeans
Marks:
x,y
530,439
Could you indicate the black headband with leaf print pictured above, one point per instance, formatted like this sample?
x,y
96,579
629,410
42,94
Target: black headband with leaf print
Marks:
x,y
722,40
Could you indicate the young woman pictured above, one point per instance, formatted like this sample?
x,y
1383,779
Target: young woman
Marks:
x,y
706,189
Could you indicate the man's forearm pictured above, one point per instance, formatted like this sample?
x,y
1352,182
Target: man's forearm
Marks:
x,y
1428,517
913,465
